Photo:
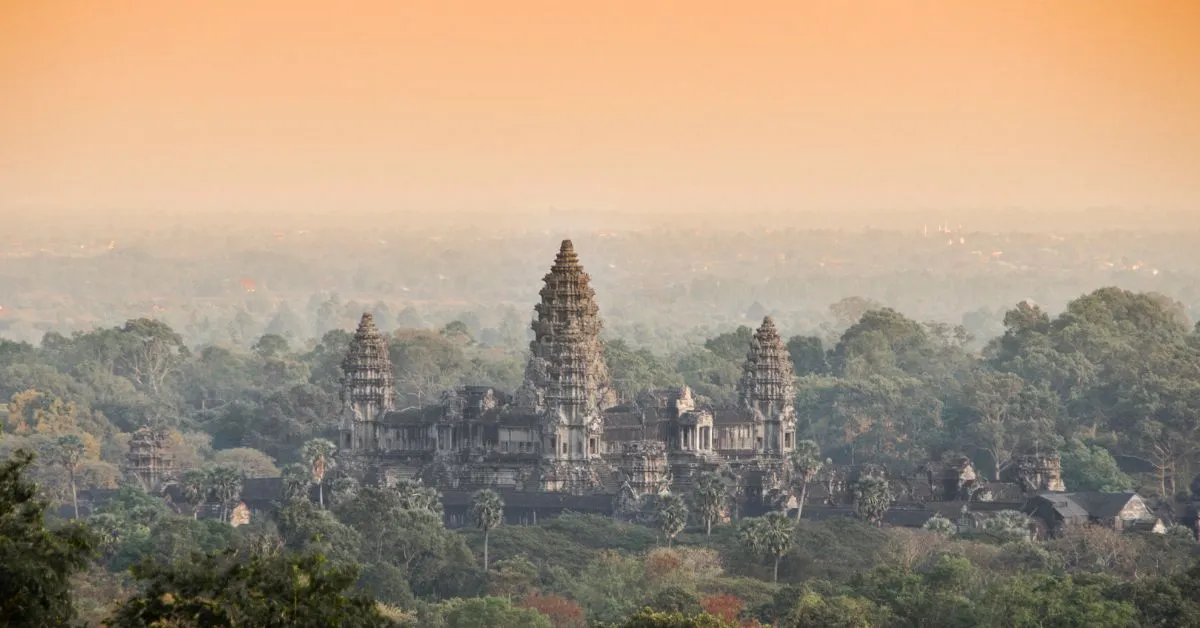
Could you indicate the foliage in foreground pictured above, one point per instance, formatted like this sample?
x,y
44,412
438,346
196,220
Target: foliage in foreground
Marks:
x,y
36,563
229,590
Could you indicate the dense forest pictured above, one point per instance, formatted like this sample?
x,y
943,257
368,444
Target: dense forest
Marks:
x,y
1112,382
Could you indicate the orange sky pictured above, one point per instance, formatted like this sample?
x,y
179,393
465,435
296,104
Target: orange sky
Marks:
x,y
643,105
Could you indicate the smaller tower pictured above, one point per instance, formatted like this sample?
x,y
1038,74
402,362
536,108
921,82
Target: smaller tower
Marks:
x,y
1040,473
958,478
149,460
646,467
368,390
767,391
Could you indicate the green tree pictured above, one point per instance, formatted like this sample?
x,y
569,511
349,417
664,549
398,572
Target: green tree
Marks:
x,y
229,590
709,497
672,516
193,484
67,452
940,525
413,540
457,332
770,535
109,532
306,528
731,346
872,498
808,355
675,599
271,346
649,618
992,402
414,496
318,453
425,363
152,353
251,462
487,512
297,479
882,342
1047,600
1009,525
811,609
224,484
36,563
806,463
494,612
636,371
1090,467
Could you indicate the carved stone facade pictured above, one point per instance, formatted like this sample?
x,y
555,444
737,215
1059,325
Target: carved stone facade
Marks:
x,y
1040,472
149,460
566,380
368,387
646,466
767,390
563,431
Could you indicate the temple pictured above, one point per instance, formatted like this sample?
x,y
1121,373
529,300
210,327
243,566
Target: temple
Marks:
x,y
563,431
149,461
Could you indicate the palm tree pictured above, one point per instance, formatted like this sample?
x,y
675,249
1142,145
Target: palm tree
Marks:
x,y
193,484
1008,524
672,516
296,479
770,534
415,496
225,483
872,497
806,464
708,495
940,525
318,453
487,511
67,451
107,529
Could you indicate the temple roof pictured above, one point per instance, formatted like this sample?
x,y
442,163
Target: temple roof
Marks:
x,y
367,342
367,368
767,373
566,373
566,258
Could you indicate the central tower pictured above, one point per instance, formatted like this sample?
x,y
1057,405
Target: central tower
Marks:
x,y
767,392
566,381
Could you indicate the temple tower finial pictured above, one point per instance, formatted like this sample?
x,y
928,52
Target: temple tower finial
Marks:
x,y
567,380
767,389
149,459
368,387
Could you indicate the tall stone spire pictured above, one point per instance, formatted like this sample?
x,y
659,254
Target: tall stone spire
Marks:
x,y
567,380
767,388
368,390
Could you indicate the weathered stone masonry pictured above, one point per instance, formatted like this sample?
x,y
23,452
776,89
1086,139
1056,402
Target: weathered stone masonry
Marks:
x,y
563,431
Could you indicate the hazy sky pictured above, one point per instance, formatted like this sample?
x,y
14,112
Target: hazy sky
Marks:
x,y
606,104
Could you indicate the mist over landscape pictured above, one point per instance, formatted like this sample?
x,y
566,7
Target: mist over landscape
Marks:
x,y
662,284
610,315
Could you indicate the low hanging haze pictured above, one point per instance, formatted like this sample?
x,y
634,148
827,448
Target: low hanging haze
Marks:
x,y
673,108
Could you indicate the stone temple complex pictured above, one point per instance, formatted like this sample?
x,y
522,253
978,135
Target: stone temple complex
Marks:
x,y
563,432
564,442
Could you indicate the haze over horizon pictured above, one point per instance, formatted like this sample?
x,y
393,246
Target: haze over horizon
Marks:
x,y
636,107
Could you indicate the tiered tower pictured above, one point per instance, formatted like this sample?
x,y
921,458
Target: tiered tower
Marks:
x,y
647,469
149,460
767,390
1040,472
368,390
566,380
